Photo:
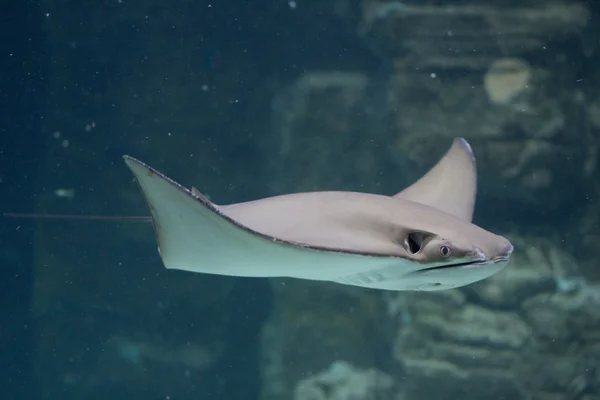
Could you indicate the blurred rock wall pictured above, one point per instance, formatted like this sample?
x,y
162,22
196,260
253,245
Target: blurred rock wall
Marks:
x,y
517,80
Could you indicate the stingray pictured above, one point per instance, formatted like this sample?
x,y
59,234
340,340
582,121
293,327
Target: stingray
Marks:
x,y
422,238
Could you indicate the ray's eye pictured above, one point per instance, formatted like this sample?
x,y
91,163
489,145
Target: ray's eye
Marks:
x,y
445,251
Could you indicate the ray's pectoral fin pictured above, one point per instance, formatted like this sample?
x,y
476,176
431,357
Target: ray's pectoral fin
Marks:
x,y
193,235
451,185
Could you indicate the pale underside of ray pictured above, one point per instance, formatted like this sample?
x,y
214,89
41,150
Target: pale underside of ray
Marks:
x,y
451,185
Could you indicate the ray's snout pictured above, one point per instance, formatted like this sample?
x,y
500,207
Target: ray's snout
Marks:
x,y
504,250
507,251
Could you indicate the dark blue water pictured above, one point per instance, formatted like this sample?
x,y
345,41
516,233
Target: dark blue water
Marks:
x,y
251,99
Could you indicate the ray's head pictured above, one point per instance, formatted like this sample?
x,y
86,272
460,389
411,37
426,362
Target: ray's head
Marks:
x,y
455,257
451,251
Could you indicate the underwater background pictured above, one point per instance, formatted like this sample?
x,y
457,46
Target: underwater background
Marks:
x,y
249,99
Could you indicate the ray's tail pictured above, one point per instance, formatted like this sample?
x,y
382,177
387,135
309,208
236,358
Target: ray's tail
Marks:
x,y
130,218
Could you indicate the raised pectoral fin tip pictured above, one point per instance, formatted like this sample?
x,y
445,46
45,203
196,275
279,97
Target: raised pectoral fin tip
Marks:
x,y
450,185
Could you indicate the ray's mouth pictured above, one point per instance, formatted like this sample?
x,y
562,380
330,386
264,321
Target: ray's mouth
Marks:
x,y
479,261
457,265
